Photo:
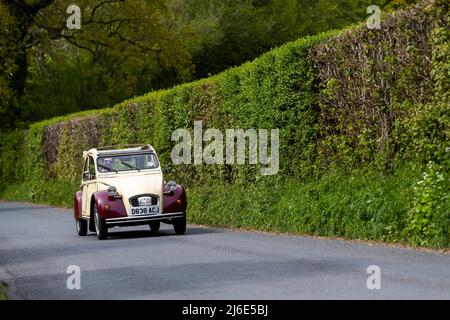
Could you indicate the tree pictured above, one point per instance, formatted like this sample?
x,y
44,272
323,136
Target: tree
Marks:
x,y
129,47
124,39
228,33
17,17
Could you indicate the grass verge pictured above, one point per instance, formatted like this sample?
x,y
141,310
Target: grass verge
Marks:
x,y
3,290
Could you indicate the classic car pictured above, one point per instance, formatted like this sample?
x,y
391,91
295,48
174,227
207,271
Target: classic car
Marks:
x,y
124,186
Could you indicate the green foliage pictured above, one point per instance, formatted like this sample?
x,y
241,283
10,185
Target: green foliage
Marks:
x,y
371,81
3,289
321,15
424,133
228,33
11,63
123,49
11,152
127,48
392,5
360,113
429,217
362,204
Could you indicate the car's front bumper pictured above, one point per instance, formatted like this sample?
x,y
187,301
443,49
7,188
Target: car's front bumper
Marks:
x,y
139,220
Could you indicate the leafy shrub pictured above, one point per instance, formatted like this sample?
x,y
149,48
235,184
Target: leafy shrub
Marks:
x,y
429,217
365,204
360,113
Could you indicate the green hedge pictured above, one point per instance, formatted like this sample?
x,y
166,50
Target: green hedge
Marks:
x,y
363,115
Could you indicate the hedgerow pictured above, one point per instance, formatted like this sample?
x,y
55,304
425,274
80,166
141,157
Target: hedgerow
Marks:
x,y
362,114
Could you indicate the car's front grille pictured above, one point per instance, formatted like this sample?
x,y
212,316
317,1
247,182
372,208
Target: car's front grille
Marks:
x,y
134,201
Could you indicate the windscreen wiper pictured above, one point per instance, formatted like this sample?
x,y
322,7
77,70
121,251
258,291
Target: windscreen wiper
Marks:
x,y
108,168
129,165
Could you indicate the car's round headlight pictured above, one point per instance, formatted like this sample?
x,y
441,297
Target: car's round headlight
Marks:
x,y
172,185
112,191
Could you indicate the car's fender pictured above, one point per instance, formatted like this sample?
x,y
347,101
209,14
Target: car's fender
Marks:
x,y
109,207
77,204
174,201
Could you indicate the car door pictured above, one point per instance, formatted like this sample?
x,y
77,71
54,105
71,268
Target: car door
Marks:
x,y
84,183
89,185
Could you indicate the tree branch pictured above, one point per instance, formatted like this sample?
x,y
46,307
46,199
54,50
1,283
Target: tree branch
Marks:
x,y
100,5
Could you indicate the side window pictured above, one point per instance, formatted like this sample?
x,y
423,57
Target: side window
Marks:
x,y
91,168
85,169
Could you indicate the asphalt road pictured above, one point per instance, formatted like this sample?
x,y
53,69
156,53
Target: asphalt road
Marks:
x,y
38,244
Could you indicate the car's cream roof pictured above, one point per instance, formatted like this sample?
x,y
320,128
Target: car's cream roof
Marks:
x,y
112,150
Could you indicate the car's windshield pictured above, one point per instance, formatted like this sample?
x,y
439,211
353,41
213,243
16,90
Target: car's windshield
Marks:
x,y
118,163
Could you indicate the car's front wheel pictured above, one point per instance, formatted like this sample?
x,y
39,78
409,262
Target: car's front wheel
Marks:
x,y
101,228
154,226
82,226
179,225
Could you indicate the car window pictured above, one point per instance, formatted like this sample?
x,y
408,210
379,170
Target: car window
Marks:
x,y
127,162
91,168
85,168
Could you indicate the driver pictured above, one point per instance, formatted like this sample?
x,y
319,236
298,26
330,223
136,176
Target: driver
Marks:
x,y
107,163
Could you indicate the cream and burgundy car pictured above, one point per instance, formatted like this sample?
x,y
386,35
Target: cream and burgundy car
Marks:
x,y
125,187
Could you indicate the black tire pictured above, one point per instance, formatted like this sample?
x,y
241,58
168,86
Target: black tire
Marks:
x,y
179,225
91,224
100,225
81,226
154,226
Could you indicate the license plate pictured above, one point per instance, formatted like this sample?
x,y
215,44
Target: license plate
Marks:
x,y
145,210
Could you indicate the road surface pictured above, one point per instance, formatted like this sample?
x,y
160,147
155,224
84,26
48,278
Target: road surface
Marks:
x,y
39,243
